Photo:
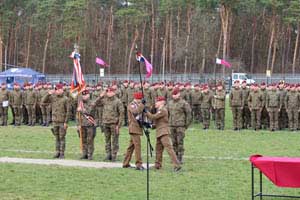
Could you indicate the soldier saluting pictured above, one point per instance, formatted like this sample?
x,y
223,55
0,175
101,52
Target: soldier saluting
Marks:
x,y
60,115
87,125
113,114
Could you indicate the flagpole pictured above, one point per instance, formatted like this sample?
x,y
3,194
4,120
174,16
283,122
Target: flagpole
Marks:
x,y
146,131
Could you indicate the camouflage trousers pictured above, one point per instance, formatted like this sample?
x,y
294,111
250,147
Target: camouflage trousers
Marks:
x,y
236,117
17,113
38,114
59,133
177,136
111,140
293,115
205,117
273,116
164,142
197,113
265,118
255,118
283,119
88,135
31,113
134,145
24,115
220,118
46,113
99,116
246,117
3,116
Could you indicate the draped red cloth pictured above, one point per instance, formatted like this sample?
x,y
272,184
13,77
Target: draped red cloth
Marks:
x,y
282,171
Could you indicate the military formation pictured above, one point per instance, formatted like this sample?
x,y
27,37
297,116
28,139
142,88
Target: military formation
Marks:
x,y
170,107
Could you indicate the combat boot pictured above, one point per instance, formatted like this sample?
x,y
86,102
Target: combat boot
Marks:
x,y
61,155
83,157
56,155
177,169
108,157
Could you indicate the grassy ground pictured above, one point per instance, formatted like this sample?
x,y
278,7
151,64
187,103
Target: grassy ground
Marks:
x,y
215,166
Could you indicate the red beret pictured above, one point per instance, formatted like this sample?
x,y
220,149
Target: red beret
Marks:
x,y
3,83
236,81
175,91
111,89
138,95
160,98
59,86
244,81
125,81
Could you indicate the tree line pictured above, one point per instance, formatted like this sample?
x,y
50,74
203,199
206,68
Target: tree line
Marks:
x,y
176,36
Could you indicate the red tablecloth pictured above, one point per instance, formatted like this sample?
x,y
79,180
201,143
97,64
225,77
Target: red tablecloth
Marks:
x,y
282,171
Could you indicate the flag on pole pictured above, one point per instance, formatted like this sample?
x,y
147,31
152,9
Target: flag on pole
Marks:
x,y
99,61
78,83
223,62
149,68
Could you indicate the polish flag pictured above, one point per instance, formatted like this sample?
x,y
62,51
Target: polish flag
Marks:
x,y
223,62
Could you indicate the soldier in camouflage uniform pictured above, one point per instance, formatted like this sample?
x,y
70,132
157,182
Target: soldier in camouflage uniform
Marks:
x,y
38,111
86,124
188,93
16,100
264,112
255,102
113,114
206,99
272,105
179,118
246,115
196,102
46,107
4,103
219,106
30,103
235,102
282,118
24,109
99,109
60,117
292,107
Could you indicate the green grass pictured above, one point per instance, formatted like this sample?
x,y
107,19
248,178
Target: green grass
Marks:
x,y
202,177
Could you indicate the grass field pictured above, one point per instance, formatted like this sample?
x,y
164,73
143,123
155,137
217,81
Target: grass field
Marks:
x,y
215,168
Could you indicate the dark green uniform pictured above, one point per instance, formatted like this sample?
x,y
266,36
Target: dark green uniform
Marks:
x,y
292,106
219,105
206,99
16,100
196,103
236,102
30,103
246,114
255,102
272,105
4,103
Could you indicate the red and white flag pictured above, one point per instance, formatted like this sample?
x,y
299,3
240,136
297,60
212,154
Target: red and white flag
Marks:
x,y
223,62
101,62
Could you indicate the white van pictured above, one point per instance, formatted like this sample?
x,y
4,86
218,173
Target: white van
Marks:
x,y
241,77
